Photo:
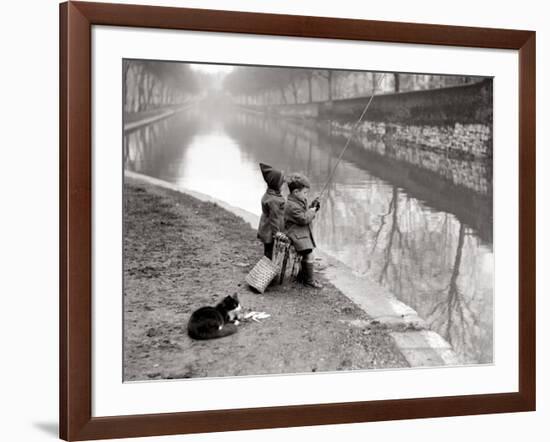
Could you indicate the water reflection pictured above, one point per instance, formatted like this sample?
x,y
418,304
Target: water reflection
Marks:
x,y
421,235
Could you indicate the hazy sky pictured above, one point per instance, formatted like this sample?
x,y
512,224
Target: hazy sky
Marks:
x,y
212,68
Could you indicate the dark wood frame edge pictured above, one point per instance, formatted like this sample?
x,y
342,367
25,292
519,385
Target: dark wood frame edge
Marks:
x,y
76,421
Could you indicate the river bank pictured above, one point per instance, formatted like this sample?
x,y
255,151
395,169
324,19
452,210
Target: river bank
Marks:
x,y
136,120
455,122
182,253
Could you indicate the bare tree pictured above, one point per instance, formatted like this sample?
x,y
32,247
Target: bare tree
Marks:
x,y
396,82
155,83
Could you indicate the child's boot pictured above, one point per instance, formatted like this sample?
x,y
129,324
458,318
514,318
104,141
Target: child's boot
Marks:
x,y
300,275
309,281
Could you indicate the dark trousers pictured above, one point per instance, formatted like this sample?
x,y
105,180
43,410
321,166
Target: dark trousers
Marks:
x,y
268,250
307,255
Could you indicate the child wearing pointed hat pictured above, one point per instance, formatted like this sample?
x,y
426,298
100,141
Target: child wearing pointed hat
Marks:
x,y
273,208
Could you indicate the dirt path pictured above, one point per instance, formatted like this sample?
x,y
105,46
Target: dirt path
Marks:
x,y
181,254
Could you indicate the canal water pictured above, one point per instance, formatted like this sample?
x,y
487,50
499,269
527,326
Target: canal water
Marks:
x,y
427,240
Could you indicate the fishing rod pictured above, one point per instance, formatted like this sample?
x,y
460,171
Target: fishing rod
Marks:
x,y
352,133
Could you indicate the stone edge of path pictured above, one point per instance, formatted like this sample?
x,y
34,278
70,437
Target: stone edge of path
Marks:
x,y
129,127
420,346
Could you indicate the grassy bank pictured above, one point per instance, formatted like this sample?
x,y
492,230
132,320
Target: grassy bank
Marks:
x,y
181,254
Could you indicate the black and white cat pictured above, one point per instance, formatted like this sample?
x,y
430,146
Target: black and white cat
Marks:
x,y
215,322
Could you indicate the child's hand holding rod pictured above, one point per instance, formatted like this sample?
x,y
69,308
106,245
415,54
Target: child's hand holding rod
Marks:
x,y
315,204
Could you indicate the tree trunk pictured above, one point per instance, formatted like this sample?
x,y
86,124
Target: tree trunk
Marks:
x,y
145,91
329,79
285,101
310,96
150,92
166,96
141,91
295,92
396,82
126,68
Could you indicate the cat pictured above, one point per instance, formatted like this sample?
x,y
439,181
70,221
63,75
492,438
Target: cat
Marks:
x,y
215,322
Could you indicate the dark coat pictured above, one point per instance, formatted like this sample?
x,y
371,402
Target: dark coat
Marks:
x,y
272,219
273,205
298,224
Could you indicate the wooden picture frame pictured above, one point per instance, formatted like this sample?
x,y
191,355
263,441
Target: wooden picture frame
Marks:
x,y
76,421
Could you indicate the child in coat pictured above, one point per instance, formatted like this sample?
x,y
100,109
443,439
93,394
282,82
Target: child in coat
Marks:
x,y
298,219
273,206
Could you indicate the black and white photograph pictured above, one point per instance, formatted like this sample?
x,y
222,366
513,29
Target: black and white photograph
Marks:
x,y
290,220
240,221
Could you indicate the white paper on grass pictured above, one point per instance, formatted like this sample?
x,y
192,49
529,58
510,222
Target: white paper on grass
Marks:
x,y
113,397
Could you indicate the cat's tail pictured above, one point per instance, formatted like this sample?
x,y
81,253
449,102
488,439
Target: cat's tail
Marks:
x,y
226,330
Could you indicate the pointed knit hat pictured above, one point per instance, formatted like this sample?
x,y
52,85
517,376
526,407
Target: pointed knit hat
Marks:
x,y
273,177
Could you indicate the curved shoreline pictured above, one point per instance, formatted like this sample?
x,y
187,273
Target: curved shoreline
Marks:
x,y
420,346
181,253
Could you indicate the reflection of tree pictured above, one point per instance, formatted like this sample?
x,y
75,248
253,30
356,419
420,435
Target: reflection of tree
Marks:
x,y
309,165
451,316
382,224
422,254
154,149
330,202
413,257
140,146
394,231
377,226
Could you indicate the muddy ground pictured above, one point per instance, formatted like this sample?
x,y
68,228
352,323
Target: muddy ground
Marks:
x,y
181,254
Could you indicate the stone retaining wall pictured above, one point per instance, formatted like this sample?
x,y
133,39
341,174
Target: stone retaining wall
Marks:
x,y
455,119
454,160
462,139
448,131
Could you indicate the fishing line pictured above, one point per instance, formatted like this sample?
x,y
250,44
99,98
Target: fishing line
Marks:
x,y
352,133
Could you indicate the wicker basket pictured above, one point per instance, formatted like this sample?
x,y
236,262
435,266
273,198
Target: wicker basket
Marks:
x,y
262,274
287,260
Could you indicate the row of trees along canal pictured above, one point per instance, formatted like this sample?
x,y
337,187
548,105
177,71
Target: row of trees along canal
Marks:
x,y
153,84
273,86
